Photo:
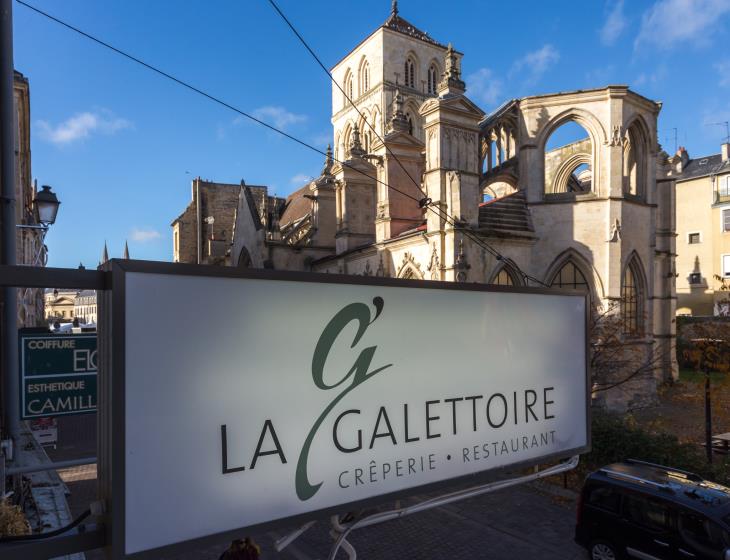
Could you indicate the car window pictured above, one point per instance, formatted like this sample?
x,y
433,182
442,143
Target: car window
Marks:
x,y
703,534
604,497
650,513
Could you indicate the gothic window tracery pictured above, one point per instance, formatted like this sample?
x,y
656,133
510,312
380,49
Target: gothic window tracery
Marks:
x,y
505,277
349,88
364,77
432,79
632,299
570,276
410,73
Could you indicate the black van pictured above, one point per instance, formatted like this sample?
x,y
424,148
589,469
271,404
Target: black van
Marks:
x,y
641,510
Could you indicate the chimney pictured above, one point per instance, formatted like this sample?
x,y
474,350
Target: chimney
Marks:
x,y
725,149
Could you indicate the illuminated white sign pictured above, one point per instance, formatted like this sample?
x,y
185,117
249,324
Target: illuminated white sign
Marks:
x,y
250,400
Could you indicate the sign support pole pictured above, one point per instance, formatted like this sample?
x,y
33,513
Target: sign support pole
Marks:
x,y
7,214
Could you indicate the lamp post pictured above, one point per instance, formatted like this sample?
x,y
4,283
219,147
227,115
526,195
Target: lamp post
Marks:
x,y
45,209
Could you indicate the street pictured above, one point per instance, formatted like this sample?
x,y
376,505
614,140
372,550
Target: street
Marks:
x,y
520,522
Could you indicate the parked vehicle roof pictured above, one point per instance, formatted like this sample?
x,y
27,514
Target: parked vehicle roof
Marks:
x,y
680,486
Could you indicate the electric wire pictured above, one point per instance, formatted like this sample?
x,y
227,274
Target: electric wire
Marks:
x,y
450,219
207,95
423,203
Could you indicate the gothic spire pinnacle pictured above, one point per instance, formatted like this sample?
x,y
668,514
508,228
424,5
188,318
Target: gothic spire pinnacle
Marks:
x,y
328,161
105,254
356,149
394,8
451,82
398,120
126,250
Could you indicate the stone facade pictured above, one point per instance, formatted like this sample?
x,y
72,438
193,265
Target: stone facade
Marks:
x,y
59,304
441,191
30,249
202,234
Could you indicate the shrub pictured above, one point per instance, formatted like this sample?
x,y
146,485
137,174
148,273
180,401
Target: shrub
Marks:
x,y
12,520
615,439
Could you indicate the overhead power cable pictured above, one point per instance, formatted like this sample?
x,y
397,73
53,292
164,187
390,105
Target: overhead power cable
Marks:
x,y
206,95
442,213
424,203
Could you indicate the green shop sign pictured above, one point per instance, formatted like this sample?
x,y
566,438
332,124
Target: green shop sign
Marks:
x,y
57,374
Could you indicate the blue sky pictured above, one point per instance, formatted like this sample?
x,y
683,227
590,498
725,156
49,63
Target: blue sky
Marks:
x,y
120,144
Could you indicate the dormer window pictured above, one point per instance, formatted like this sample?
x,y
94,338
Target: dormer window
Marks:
x,y
410,73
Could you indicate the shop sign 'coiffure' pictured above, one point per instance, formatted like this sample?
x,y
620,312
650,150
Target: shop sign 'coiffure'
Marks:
x,y
252,400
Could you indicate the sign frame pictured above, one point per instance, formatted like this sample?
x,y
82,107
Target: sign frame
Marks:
x,y
23,375
111,401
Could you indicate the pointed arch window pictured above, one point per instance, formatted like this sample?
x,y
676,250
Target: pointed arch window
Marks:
x,y
570,276
410,73
505,277
349,88
409,118
631,300
364,78
432,77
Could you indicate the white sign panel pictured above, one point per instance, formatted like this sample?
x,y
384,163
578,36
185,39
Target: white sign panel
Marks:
x,y
249,400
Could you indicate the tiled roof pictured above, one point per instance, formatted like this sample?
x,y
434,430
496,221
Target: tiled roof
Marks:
x,y
700,167
506,215
397,23
297,206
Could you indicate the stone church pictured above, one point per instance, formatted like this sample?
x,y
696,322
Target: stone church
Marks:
x,y
419,173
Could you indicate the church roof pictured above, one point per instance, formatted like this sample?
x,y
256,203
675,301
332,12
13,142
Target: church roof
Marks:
x,y
506,215
297,206
397,23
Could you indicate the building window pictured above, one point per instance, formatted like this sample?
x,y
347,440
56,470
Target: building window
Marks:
x,y
726,266
570,276
693,238
503,279
432,77
724,189
410,73
631,305
726,220
365,72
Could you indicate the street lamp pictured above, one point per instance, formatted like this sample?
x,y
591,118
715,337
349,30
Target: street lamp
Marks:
x,y
45,209
45,205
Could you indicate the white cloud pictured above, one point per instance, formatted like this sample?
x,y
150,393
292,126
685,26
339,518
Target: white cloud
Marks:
x,y
80,126
276,116
723,68
534,64
671,22
484,86
614,25
651,78
300,179
144,235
